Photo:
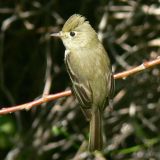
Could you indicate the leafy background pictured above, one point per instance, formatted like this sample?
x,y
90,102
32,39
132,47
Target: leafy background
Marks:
x,y
31,65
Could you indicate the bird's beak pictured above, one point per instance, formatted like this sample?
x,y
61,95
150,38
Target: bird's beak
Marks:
x,y
56,34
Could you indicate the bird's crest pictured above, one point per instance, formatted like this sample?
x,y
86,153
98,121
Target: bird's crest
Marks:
x,y
73,22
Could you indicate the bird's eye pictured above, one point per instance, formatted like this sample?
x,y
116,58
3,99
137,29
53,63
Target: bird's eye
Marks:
x,y
72,34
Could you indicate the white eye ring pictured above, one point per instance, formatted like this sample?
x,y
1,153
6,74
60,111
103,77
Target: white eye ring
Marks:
x,y
72,33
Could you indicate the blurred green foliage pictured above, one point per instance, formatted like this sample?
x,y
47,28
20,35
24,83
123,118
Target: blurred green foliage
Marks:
x,y
31,64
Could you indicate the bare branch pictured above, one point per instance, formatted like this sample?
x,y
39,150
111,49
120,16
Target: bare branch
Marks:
x,y
139,68
29,105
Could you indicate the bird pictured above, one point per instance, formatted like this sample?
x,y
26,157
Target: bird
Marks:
x,y
89,69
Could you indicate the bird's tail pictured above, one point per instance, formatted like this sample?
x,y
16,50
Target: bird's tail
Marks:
x,y
95,135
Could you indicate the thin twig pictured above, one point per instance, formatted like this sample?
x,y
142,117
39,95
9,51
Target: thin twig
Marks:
x,y
52,97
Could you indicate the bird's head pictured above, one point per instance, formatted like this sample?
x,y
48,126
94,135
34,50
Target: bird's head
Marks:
x,y
77,33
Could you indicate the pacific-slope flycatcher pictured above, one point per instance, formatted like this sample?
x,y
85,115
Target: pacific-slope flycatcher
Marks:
x,y
89,69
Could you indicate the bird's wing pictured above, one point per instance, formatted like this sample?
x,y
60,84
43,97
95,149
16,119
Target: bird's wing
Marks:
x,y
112,86
81,88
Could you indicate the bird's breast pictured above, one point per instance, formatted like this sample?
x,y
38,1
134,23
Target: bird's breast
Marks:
x,y
87,63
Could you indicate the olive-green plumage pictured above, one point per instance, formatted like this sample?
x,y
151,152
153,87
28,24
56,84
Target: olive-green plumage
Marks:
x,y
89,69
